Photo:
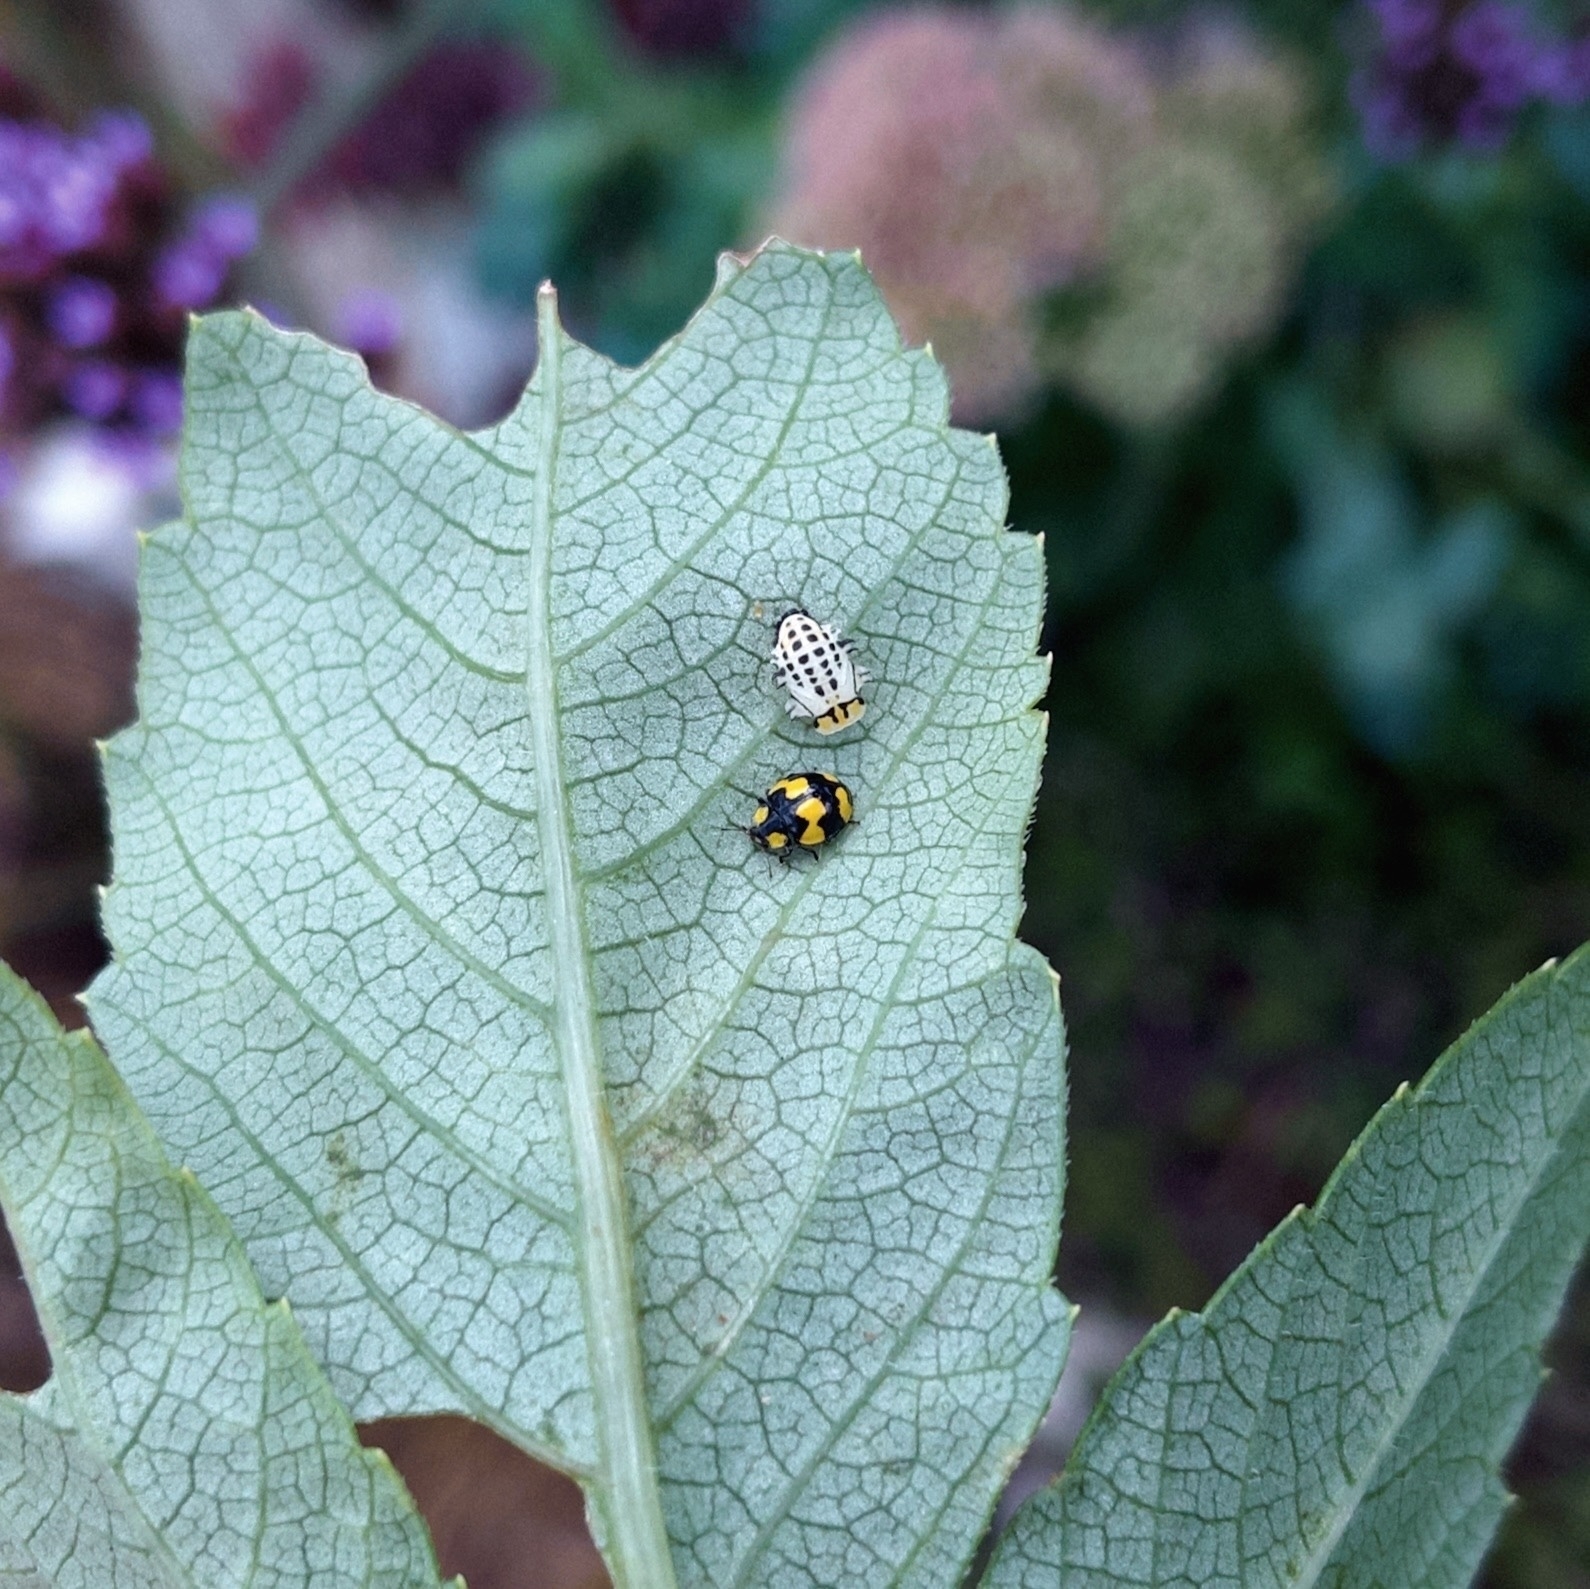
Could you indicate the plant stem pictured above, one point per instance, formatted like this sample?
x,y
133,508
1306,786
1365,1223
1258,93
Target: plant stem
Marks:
x,y
337,111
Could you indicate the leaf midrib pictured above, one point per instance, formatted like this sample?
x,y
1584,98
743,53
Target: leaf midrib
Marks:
x,y
626,1495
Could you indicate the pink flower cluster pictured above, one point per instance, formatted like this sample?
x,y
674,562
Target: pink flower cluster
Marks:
x,y
970,157
1043,200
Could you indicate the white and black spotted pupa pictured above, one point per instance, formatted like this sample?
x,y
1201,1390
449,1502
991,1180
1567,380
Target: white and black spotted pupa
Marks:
x,y
815,665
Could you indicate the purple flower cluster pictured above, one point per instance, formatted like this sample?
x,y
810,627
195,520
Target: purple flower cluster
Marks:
x,y
190,272
58,194
1460,71
97,271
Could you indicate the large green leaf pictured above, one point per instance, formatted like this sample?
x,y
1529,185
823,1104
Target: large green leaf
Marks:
x,y
1338,1414
187,1440
731,1189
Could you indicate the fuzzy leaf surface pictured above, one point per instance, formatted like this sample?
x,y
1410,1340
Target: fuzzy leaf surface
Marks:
x,y
1339,1413
186,1439
730,1188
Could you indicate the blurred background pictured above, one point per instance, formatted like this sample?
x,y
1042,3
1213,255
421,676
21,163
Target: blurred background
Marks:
x,y
1281,311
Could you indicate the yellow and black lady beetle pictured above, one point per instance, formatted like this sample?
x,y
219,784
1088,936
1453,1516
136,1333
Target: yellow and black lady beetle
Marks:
x,y
800,812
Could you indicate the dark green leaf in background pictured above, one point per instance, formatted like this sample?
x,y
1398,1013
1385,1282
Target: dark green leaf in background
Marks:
x,y
1339,1413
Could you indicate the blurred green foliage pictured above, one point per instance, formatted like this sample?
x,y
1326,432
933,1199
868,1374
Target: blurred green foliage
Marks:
x,y
627,189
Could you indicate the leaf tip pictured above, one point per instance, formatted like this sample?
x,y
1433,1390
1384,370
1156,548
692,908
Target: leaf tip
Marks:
x,y
729,265
547,322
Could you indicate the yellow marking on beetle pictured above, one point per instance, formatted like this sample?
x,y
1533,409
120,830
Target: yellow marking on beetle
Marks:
x,y
841,715
812,812
842,800
793,787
